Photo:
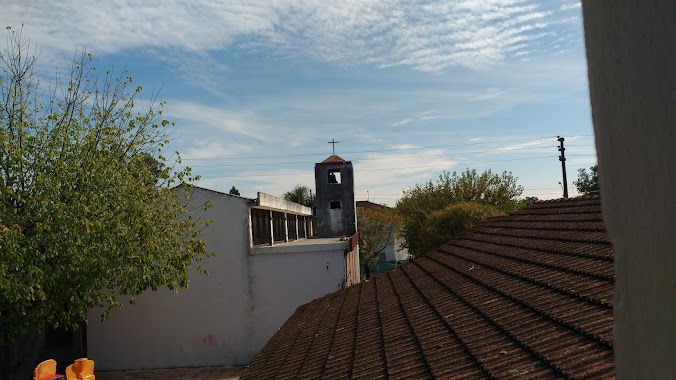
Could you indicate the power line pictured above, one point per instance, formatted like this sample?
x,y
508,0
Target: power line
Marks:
x,y
528,189
376,151
381,158
379,169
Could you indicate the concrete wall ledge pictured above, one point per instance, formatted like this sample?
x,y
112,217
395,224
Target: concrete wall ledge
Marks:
x,y
270,202
302,246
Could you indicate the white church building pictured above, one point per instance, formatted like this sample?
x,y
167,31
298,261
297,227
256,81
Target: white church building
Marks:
x,y
267,262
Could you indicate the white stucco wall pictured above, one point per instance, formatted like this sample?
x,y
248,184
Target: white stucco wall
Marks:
x,y
195,326
284,281
394,251
400,252
224,318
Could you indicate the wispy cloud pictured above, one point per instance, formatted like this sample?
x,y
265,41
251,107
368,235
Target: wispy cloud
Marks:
x,y
425,116
437,117
521,146
403,122
201,149
201,116
427,37
404,146
491,93
199,70
476,139
569,6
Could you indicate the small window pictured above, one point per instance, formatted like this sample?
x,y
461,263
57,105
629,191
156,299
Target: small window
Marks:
x,y
334,176
334,205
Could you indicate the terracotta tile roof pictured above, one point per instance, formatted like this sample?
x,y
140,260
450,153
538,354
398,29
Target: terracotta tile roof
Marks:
x,y
333,160
527,295
368,204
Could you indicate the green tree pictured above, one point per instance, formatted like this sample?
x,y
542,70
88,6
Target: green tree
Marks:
x,y
89,210
155,167
301,194
497,190
588,183
233,191
440,226
527,201
378,226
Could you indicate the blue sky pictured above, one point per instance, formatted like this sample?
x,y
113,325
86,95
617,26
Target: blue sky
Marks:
x,y
257,88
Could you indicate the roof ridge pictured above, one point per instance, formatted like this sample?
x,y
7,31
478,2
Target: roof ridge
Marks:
x,y
512,218
428,367
334,159
545,228
321,322
356,325
291,331
528,306
547,250
497,233
450,328
298,334
546,265
516,216
558,210
380,330
570,199
547,285
480,312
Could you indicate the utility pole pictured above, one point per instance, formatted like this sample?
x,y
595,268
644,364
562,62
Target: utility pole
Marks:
x,y
562,158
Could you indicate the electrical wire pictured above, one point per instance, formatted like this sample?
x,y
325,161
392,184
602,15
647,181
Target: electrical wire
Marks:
x,y
382,158
379,169
378,150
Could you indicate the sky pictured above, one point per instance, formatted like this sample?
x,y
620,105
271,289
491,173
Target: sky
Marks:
x,y
258,88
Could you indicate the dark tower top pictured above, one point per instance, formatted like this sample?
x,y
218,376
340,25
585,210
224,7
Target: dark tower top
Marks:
x,y
336,213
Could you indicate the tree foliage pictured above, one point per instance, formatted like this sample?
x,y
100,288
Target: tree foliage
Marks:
x,y
89,210
233,191
497,190
588,183
378,226
452,221
301,194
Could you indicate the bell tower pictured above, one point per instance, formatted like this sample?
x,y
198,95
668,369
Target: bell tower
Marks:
x,y
336,210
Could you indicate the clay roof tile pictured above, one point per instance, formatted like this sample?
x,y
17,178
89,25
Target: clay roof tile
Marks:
x,y
524,295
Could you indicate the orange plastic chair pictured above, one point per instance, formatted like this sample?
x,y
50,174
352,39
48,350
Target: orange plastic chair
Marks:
x,y
44,369
83,368
70,373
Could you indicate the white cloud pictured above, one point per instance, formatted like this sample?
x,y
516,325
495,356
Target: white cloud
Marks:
x,y
437,117
491,93
569,6
199,70
476,139
402,122
526,145
379,171
427,37
275,182
201,149
236,123
425,116
404,146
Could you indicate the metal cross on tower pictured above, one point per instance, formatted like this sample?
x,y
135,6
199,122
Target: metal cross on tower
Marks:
x,y
334,142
